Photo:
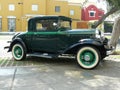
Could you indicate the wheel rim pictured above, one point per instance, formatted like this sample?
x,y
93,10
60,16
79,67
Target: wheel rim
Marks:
x,y
17,52
87,57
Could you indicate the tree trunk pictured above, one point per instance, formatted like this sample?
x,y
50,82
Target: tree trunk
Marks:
x,y
115,33
113,10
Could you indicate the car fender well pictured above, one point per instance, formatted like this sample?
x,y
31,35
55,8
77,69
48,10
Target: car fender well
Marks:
x,y
85,42
17,40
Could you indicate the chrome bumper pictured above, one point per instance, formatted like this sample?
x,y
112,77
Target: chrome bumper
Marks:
x,y
7,47
110,51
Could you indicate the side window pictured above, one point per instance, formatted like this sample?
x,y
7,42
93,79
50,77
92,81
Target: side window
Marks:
x,y
38,26
41,25
64,25
46,25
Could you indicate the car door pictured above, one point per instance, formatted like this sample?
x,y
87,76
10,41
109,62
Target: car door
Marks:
x,y
48,39
44,41
44,37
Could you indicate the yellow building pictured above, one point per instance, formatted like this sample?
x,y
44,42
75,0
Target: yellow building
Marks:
x,y
14,14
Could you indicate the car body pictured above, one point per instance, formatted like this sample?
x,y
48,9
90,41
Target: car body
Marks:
x,y
52,37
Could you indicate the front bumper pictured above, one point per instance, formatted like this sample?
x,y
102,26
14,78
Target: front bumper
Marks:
x,y
6,47
110,51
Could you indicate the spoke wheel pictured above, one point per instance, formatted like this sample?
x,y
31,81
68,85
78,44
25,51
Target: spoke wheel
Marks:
x,y
18,52
88,57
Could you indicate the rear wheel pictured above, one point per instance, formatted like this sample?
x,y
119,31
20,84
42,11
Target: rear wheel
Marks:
x,y
18,52
88,57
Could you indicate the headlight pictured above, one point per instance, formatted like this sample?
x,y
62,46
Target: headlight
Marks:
x,y
102,34
98,34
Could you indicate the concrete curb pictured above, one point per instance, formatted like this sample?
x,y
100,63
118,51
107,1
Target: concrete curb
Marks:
x,y
7,33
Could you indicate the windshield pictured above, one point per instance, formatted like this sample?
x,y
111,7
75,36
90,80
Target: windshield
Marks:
x,y
64,24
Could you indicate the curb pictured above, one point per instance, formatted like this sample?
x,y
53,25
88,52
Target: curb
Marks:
x,y
7,33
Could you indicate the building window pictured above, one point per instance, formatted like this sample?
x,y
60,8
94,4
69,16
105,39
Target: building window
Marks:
x,y
0,24
72,12
34,7
11,7
11,24
92,13
57,8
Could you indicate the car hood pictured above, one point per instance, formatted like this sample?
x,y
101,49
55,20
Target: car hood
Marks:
x,y
81,31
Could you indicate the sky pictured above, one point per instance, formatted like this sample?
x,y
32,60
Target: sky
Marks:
x,y
92,0
100,3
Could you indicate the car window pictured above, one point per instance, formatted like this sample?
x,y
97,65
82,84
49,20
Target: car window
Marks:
x,y
64,25
46,25
39,26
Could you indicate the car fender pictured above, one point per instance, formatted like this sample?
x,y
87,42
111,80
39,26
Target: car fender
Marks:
x,y
83,42
16,40
91,41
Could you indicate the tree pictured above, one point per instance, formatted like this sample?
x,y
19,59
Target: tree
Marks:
x,y
115,34
83,3
113,6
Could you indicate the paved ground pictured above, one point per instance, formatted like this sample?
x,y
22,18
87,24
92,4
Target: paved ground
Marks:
x,y
60,74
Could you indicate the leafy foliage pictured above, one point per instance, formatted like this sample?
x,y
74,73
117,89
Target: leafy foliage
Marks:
x,y
113,7
114,3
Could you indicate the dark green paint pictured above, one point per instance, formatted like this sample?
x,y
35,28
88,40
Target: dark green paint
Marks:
x,y
53,41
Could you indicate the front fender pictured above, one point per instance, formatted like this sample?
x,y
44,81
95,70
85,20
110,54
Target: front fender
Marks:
x,y
83,42
91,41
17,40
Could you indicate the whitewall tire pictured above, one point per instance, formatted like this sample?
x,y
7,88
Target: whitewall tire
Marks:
x,y
88,57
18,52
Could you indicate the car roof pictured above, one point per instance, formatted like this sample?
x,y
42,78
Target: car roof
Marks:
x,y
51,17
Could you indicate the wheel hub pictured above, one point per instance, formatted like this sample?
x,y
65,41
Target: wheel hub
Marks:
x,y
88,56
18,52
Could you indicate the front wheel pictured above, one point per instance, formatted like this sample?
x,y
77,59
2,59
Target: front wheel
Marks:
x,y
18,52
88,57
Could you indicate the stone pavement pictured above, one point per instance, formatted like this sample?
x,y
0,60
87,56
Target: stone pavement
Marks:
x,y
60,74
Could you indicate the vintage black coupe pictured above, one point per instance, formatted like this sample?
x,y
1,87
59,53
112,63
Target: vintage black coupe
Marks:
x,y
52,37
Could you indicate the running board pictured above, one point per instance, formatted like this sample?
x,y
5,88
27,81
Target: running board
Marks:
x,y
43,55
46,55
